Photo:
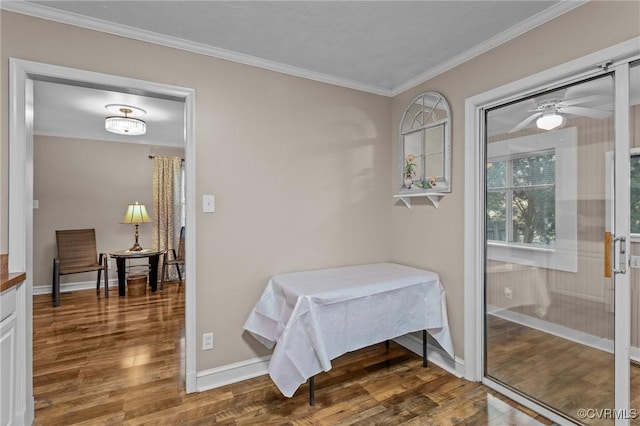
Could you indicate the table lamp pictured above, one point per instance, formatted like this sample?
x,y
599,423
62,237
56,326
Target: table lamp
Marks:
x,y
136,214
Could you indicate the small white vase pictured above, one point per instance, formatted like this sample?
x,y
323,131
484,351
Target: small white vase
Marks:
x,y
408,182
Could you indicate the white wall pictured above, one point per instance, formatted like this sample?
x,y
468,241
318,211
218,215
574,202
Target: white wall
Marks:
x,y
299,168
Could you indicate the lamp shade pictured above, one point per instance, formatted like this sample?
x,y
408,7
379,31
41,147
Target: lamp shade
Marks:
x,y
136,214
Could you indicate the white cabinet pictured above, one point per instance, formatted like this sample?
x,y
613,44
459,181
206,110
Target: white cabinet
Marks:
x,y
8,354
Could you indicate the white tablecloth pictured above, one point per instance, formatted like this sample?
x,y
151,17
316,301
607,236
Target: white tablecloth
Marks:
x,y
316,316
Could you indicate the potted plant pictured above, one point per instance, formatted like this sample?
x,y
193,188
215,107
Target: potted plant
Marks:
x,y
409,171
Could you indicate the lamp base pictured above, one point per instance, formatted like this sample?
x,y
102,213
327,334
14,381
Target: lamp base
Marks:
x,y
136,247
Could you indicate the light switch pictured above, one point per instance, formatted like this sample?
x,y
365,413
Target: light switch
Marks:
x,y
208,203
36,204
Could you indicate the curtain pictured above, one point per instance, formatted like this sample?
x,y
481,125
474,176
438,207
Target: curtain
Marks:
x,y
167,202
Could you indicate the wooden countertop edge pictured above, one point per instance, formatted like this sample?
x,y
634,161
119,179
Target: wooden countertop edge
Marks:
x,y
10,280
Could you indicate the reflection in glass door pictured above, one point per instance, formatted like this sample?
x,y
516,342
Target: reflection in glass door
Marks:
x,y
634,204
549,303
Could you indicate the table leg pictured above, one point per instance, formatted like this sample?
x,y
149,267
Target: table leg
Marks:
x,y
121,266
153,272
386,345
424,348
312,393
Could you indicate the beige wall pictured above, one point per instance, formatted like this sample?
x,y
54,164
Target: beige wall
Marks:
x,y
434,238
88,184
300,169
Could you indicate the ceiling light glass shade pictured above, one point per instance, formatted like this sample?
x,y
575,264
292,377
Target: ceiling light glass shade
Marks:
x,y
125,126
549,121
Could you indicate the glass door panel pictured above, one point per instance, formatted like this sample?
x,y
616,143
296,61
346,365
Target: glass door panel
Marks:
x,y
634,116
549,304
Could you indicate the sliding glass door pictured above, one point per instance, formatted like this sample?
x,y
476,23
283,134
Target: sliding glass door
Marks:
x,y
634,205
556,248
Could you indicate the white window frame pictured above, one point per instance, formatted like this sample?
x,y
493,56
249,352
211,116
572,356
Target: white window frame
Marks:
x,y
508,189
633,152
563,256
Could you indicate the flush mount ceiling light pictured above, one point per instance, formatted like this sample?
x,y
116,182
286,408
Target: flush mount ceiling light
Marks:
x,y
125,125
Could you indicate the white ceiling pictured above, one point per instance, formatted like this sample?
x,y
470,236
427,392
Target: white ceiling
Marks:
x,y
382,47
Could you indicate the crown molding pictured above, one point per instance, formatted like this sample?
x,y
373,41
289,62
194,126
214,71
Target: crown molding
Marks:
x,y
511,33
44,12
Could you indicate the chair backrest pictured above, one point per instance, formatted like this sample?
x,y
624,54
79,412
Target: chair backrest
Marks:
x,y
76,248
180,255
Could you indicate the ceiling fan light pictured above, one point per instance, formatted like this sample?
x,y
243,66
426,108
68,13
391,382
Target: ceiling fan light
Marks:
x,y
549,121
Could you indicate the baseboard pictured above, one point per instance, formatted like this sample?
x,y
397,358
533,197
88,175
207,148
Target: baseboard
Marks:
x,y
239,371
576,295
192,382
232,373
69,287
434,354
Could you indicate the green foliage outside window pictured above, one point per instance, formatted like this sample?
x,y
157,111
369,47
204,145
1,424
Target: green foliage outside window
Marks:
x,y
635,194
527,185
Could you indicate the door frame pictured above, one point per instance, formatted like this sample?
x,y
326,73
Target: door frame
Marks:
x,y
21,76
622,218
474,248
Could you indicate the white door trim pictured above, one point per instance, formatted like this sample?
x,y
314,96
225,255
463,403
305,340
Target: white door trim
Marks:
x,y
621,282
21,74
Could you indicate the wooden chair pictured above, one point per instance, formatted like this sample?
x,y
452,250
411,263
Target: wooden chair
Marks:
x,y
77,253
177,261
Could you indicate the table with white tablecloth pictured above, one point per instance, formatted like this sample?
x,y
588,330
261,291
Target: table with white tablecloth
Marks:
x,y
315,316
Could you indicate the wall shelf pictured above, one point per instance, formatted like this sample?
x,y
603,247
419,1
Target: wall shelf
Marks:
x,y
434,197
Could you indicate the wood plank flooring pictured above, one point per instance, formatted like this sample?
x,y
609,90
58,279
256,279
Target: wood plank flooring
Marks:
x,y
558,372
121,361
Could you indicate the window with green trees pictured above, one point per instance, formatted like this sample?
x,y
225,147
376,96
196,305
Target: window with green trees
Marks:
x,y
635,194
521,199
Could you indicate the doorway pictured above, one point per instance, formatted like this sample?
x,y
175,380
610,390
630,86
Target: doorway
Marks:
x,y
548,266
549,310
22,75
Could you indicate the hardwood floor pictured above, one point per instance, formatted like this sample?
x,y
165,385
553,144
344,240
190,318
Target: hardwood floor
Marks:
x,y
121,361
561,373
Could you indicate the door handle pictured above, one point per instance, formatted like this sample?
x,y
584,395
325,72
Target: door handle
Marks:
x,y
619,243
622,255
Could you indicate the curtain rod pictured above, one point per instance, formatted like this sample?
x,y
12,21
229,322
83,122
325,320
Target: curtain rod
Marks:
x,y
151,157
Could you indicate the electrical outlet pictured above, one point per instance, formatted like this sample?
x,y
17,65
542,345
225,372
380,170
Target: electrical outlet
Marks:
x,y
635,262
208,203
508,293
207,341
